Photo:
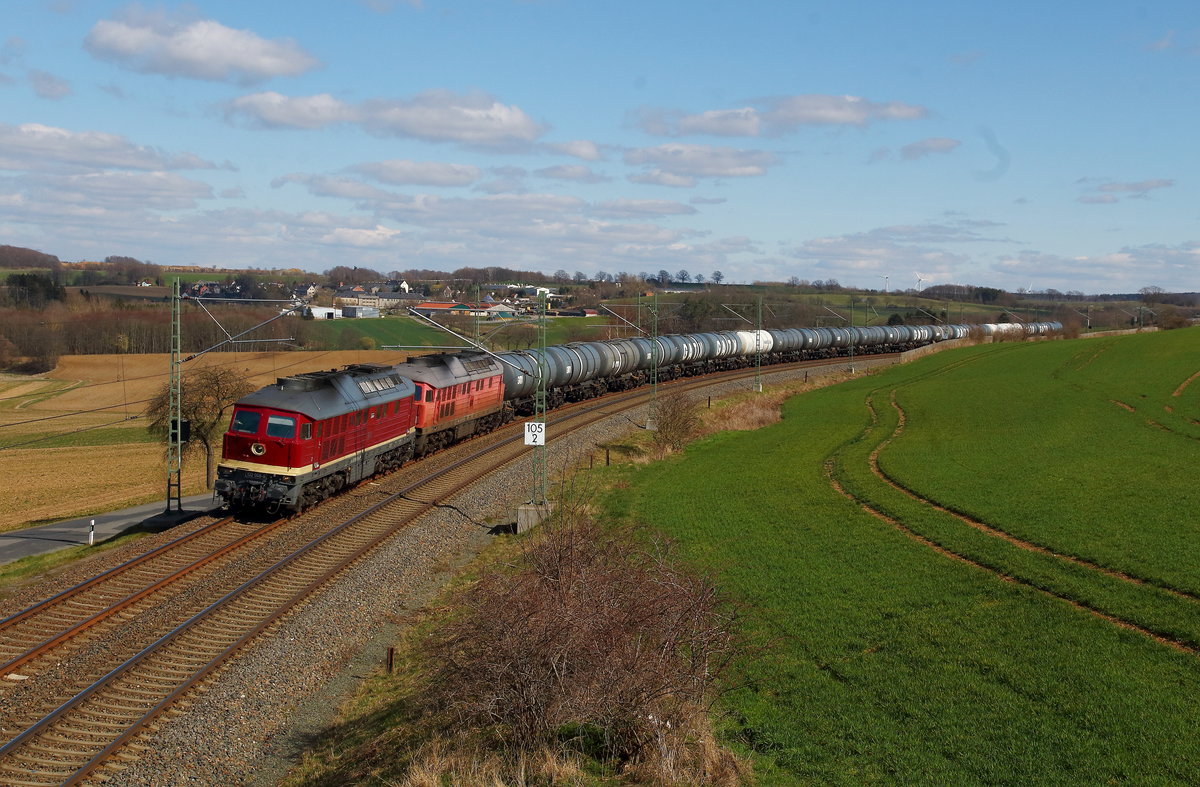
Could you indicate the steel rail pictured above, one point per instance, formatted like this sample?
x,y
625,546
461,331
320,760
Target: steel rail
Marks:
x,y
155,586
582,413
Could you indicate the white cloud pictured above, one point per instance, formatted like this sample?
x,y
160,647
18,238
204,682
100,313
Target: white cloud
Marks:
x,y
744,122
12,49
152,43
1106,193
506,180
777,115
377,237
641,208
34,146
1126,270
46,85
788,112
425,173
1138,187
576,172
926,147
344,188
99,194
579,148
697,161
473,119
657,177
275,110
893,251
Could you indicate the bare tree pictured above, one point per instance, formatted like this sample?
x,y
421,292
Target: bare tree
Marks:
x,y
207,399
717,277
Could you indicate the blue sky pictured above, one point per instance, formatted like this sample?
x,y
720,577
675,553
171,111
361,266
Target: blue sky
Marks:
x,y
1012,145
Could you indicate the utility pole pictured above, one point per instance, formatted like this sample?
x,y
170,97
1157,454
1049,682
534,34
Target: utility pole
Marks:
x,y
652,413
538,497
851,331
758,350
533,513
175,409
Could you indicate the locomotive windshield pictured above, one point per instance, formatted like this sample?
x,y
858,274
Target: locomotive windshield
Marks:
x,y
245,421
281,426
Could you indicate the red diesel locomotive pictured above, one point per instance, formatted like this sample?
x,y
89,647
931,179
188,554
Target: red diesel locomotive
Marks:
x,y
295,443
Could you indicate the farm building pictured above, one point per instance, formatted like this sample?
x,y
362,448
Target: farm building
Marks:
x,y
360,311
321,313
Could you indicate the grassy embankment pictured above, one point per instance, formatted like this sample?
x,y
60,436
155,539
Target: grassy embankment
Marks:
x,y
923,648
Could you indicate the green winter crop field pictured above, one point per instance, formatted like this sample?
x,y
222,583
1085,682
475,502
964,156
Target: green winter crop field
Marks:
x,y
979,567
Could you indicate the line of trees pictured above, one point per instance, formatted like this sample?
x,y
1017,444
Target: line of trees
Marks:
x,y
32,339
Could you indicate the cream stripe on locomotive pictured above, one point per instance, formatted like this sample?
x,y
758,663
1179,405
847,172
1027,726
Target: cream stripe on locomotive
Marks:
x,y
277,470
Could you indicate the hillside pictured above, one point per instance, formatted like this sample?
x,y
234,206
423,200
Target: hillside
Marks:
x,y
976,568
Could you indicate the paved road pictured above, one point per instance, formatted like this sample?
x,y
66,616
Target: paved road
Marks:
x,y
17,544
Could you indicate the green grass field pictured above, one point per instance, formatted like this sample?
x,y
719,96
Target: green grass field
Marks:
x,y
909,645
392,331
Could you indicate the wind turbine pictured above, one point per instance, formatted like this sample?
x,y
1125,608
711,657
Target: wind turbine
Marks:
x,y
920,280
885,282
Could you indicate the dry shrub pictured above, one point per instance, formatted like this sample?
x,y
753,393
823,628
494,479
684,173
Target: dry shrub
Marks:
x,y
595,641
677,419
752,413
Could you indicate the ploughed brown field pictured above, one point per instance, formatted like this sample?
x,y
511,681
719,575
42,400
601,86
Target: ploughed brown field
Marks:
x,y
51,483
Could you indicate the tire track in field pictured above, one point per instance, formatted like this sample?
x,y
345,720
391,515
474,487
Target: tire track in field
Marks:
x,y
1183,385
997,573
992,530
949,553
1150,422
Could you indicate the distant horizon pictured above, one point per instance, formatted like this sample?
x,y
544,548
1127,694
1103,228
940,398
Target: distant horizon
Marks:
x,y
386,276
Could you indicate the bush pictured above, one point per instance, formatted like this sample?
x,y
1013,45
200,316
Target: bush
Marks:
x,y
596,639
677,419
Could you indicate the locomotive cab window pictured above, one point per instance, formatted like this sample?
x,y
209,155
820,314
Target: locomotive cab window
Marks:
x,y
306,431
281,426
246,422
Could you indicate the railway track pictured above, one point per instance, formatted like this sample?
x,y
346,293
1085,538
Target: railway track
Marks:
x,y
90,730
50,625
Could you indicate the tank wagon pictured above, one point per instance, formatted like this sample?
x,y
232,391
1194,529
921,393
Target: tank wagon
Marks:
x,y
308,436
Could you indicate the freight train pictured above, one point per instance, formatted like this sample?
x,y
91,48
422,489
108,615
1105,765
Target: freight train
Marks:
x,y
295,443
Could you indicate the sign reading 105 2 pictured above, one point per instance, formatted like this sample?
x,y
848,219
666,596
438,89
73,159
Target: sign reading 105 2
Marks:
x,y
535,433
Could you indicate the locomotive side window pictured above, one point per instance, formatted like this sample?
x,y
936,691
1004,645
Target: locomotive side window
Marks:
x,y
306,432
281,426
246,422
